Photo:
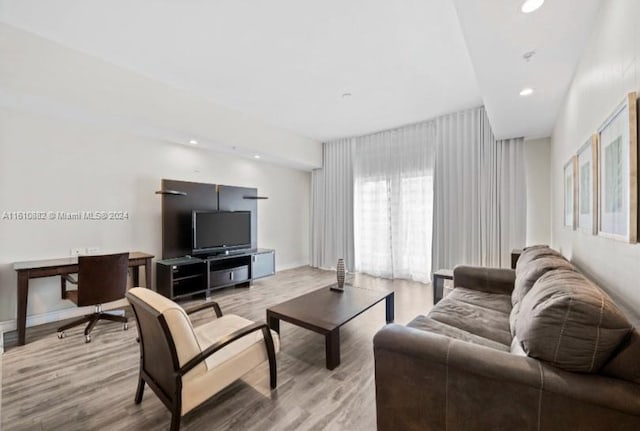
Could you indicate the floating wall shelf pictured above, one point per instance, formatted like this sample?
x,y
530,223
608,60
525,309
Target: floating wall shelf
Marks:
x,y
171,192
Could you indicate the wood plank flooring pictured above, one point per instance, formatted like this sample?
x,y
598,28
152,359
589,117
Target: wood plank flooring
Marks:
x,y
52,384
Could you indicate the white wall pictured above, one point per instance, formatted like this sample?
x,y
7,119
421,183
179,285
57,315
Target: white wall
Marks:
x,y
39,75
104,149
52,165
537,157
608,70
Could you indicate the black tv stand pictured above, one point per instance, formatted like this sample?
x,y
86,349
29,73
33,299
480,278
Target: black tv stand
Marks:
x,y
230,253
186,276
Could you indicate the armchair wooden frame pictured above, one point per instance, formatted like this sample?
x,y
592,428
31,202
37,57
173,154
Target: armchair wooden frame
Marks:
x,y
173,401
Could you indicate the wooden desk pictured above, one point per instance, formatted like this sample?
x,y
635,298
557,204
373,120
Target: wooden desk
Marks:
x,y
67,265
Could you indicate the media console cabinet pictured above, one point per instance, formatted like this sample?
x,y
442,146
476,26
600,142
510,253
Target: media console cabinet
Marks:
x,y
185,276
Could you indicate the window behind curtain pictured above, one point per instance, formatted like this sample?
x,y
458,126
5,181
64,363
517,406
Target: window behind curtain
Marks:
x,y
393,203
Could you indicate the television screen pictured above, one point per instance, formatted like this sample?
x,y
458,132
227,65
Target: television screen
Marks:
x,y
220,230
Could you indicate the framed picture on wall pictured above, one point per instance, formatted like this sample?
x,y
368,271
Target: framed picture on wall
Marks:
x,y
587,206
618,173
570,193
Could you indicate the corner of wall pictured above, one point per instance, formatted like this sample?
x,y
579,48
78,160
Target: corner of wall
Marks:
x,y
537,158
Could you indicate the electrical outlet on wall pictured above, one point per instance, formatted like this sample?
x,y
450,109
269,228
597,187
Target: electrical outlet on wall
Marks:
x,y
93,250
78,250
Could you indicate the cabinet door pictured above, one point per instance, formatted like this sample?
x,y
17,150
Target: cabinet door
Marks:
x,y
263,265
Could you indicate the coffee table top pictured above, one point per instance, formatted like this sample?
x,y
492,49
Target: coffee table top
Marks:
x,y
324,310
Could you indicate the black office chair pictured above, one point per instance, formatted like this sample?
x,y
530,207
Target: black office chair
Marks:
x,y
101,279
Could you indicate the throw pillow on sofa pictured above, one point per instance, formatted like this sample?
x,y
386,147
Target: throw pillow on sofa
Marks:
x,y
532,271
532,253
568,321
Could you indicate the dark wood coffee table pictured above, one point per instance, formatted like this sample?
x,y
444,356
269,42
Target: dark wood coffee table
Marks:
x,y
325,311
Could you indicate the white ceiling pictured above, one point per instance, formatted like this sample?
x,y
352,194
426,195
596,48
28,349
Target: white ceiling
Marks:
x,y
497,34
288,62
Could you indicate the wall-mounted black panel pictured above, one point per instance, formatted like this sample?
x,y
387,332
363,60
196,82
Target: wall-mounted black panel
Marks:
x,y
176,214
177,210
231,198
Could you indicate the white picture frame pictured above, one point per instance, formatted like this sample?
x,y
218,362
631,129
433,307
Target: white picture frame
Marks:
x,y
587,183
569,179
618,173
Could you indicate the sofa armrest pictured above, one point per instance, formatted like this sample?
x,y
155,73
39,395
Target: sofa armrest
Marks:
x,y
429,381
490,280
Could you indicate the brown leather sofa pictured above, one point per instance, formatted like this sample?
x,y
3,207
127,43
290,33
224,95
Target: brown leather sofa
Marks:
x,y
538,348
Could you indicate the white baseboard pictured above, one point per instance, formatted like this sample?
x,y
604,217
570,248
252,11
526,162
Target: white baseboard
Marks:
x,y
292,265
55,316
325,269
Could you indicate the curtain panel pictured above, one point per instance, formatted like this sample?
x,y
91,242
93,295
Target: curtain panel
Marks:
x,y
332,206
393,198
480,193
405,202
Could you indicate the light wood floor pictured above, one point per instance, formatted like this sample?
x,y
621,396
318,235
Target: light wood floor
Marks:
x,y
52,384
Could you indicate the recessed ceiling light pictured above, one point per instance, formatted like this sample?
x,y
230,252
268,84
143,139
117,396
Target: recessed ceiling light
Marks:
x,y
531,5
256,156
345,95
526,92
193,142
527,56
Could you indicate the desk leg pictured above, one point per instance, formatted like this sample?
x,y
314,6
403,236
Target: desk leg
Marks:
x,y
332,348
390,308
63,288
147,273
23,294
135,276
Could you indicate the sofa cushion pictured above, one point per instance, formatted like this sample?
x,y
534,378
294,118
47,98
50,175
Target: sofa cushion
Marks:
x,y
425,323
473,318
532,253
532,271
570,322
495,301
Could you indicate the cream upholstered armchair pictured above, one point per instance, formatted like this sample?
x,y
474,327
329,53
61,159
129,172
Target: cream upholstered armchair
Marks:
x,y
185,366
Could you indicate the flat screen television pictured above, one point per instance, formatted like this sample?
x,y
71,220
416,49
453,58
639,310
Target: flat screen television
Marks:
x,y
221,231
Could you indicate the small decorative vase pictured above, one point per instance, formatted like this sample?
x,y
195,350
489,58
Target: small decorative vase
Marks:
x,y
340,273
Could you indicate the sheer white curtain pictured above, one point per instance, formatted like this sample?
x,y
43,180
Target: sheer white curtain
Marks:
x,y
393,198
405,202
332,206
480,194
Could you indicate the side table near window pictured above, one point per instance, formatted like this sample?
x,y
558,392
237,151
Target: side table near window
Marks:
x,y
438,283
515,255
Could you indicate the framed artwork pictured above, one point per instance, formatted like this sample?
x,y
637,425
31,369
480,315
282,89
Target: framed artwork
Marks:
x,y
587,206
570,193
618,173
